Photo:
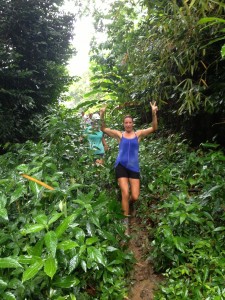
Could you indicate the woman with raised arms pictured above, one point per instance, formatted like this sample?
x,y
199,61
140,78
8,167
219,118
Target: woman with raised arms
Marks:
x,y
127,162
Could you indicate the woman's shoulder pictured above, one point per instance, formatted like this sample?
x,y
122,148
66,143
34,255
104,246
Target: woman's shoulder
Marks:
x,y
118,133
138,132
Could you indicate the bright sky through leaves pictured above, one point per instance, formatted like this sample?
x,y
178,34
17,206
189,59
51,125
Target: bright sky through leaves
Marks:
x,y
83,33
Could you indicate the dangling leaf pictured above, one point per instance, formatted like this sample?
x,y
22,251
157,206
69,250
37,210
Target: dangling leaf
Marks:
x,y
31,271
50,266
51,241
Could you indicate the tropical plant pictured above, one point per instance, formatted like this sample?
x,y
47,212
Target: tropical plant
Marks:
x,y
61,231
182,205
35,48
149,55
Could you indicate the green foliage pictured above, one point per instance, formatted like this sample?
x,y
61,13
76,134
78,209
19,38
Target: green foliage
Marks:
x,y
157,57
184,203
160,50
35,48
63,243
108,62
68,242
78,89
214,21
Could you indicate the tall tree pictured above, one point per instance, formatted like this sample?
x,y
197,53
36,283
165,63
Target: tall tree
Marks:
x,y
160,51
34,50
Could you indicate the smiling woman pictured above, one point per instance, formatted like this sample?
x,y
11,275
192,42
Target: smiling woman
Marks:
x,y
127,163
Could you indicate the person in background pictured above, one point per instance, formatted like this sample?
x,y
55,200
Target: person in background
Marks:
x,y
85,119
96,139
127,162
89,119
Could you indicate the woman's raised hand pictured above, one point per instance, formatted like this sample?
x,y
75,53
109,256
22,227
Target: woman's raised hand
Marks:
x,y
154,106
102,110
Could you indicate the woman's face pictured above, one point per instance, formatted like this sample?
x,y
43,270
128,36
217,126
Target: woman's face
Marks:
x,y
96,123
128,124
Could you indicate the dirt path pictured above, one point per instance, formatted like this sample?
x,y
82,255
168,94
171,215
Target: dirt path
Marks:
x,y
143,280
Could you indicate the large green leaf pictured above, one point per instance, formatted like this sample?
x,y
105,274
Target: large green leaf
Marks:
x,y
51,242
67,244
23,168
64,225
95,255
3,200
94,219
36,188
73,263
221,228
8,296
84,265
4,214
91,240
8,262
36,250
180,243
41,219
87,95
32,228
32,270
75,186
16,284
19,192
80,235
28,259
54,218
66,281
50,266
211,19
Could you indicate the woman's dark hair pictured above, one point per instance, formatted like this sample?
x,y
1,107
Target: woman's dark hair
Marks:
x,y
128,116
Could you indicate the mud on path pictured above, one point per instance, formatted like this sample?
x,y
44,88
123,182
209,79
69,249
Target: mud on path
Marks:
x,y
143,280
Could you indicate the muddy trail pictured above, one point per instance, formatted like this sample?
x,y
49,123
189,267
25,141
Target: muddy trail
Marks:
x,y
143,280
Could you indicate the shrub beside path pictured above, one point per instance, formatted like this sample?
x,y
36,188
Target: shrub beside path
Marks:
x,y
143,280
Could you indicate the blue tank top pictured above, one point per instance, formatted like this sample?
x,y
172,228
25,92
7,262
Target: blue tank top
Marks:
x,y
128,154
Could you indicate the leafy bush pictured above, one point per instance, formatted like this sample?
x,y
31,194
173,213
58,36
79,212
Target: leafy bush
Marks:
x,y
65,242
184,202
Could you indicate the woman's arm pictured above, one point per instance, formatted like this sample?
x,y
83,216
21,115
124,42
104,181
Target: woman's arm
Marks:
x,y
105,144
110,132
144,132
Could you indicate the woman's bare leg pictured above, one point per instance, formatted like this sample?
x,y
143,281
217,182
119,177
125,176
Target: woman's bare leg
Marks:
x,y
135,191
135,188
124,187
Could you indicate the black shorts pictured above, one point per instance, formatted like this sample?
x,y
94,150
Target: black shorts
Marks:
x,y
121,171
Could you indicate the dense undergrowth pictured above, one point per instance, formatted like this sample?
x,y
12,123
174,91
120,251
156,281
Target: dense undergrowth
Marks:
x,y
63,243
68,242
184,200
